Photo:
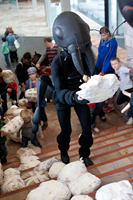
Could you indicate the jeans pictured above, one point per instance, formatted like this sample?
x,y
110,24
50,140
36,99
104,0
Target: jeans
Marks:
x,y
25,142
7,60
3,153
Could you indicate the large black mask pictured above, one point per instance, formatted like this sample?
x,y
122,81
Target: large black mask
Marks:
x,y
126,8
72,34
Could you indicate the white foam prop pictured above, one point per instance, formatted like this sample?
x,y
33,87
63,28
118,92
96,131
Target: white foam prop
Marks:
x,y
31,94
99,88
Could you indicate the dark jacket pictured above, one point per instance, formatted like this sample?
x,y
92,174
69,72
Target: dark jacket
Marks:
x,y
66,81
3,86
21,71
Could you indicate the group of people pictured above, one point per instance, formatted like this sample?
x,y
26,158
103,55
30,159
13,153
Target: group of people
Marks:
x,y
8,46
67,64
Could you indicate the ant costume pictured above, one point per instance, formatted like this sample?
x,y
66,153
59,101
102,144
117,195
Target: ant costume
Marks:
x,y
72,34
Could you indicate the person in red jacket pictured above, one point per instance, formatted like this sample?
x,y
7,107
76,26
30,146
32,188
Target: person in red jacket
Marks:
x,y
14,87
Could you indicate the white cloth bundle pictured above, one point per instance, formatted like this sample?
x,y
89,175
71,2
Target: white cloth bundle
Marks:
x,y
50,190
22,102
1,175
36,149
13,126
46,164
8,76
81,197
36,177
99,88
85,184
11,110
31,94
25,152
28,162
71,172
121,190
12,183
17,111
28,174
55,169
11,172
14,137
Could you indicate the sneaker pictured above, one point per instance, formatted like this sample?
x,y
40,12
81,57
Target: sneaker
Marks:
x,y
108,109
130,121
45,125
103,118
96,130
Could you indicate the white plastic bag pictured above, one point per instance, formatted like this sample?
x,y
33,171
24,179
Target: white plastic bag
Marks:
x,y
50,190
46,164
55,169
28,162
11,172
121,190
8,76
25,152
85,184
31,94
71,172
81,197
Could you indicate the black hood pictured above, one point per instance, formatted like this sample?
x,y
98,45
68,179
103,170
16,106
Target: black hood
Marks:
x,y
126,8
70,31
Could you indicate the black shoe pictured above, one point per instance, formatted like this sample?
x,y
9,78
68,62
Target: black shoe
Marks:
x,y
87,162
103,118
65,157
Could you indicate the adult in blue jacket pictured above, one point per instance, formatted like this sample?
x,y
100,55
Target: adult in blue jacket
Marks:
x,y
106,51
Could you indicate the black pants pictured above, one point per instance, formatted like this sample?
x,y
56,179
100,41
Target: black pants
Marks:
x,y
4,104
85,140
122,98
97,111
13,55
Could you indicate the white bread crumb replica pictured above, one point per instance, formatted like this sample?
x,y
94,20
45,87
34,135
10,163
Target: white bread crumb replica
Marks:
x,y
13,126
81,197
25,152
85,184
55,169
12,181
22,102
94,89
1,175
50,190
28,162
11,110
46,164
8,76
31,94
71,172
121,190
36,177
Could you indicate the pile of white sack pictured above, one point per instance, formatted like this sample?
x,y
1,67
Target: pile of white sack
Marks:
x,y
12,180
72,180
99,88
8,76
30,150
31,94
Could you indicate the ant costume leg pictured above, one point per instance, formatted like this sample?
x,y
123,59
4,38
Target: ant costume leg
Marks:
x,y
43,82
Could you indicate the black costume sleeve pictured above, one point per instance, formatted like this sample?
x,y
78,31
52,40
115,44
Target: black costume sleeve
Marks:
x,y
65,96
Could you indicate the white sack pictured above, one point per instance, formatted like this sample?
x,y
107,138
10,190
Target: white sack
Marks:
x,y
1,174
11,110
12,183
31,94
28,162
36,149
14,137
8,76
85,184
22,102
55,169
99,88
50,190
13,126
10,172
81,197
36,177
28,174
46,164
121,190
25,152
71,172
17,111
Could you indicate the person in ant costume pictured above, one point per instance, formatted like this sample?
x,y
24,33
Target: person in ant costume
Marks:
x,y
72,34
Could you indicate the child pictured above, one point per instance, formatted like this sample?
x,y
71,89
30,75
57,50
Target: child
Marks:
x,y
27,129
3,149
125,82
14,87
32,83
5,51
129,105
